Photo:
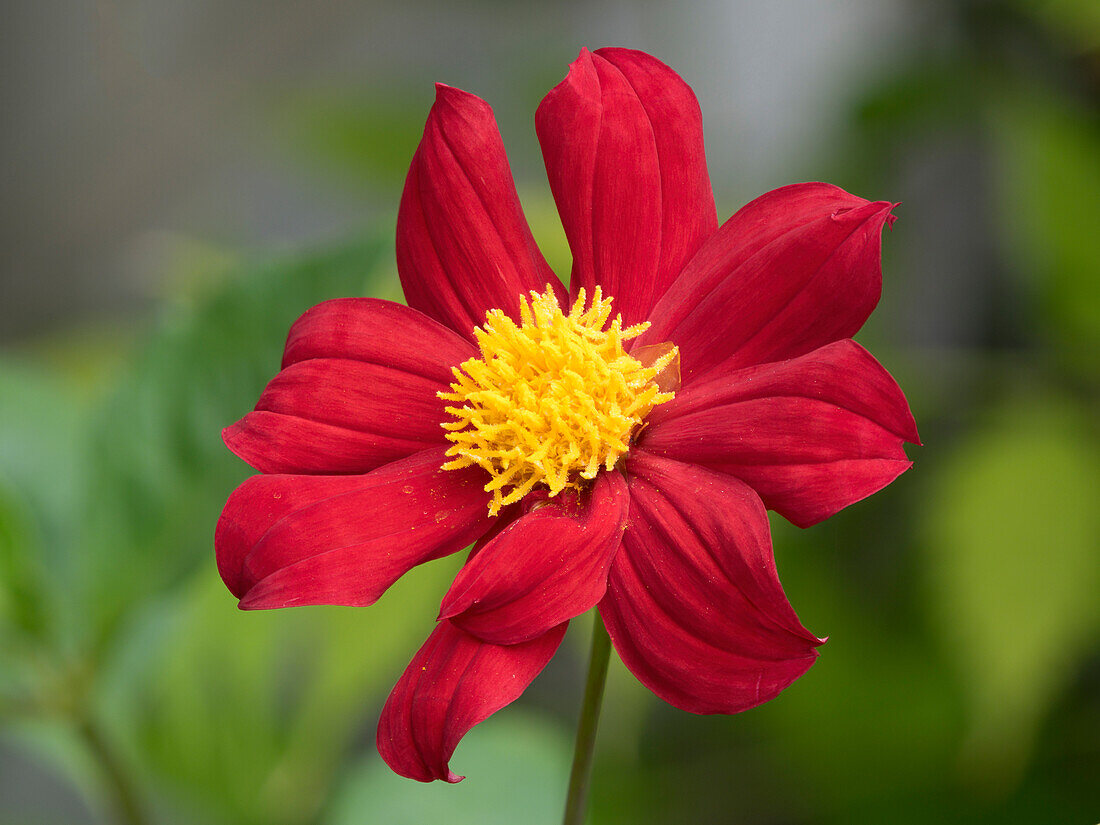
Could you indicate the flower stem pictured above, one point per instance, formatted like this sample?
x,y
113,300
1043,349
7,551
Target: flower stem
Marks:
x,y
124,797
576,802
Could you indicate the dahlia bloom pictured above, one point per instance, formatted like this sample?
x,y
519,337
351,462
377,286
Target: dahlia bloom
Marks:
x,y
611,445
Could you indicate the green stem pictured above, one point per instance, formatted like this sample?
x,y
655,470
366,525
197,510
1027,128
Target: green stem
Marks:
x,y
120,788
576,802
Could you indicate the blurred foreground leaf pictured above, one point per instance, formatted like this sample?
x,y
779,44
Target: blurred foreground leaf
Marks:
x,y
1048,152
1078,21
517,768
159,471
22,602
1012,531
104,517
40,471
39,423
873,721
41,466
250,713
363,137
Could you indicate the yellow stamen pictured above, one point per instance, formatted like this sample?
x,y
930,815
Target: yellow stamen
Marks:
x,y
552,400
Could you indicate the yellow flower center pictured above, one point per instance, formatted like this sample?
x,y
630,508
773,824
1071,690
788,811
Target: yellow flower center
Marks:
x,y
551,400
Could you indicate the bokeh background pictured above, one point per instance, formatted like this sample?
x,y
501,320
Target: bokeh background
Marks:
x,y
182,180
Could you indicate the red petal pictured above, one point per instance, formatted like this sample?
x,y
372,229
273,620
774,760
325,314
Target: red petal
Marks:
x,y
357,390
378,332
454,682
289,540
794,270
330,415
623,142
542,569
811,435
694,606
275,443
463,245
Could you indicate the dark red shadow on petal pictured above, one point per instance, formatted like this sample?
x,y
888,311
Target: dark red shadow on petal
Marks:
x,y
622,138
542,569
794,270
358,389
336,415
811,435
463,244
694,605
378,332
293,540
275,443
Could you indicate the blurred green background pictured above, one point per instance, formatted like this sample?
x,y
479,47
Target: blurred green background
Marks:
x,y
181,181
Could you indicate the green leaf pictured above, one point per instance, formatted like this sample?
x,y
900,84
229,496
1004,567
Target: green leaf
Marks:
x,y
876,703
1077,21
1011,551
517,769
363,138
40,471
22,600
103,518
1048,174
159,471
40,429
251,713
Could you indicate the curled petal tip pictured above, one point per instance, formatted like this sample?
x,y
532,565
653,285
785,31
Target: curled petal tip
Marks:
x,y
230,436
910,435
448,609
445,94
583,62
885,209
256,601
452,102
865,210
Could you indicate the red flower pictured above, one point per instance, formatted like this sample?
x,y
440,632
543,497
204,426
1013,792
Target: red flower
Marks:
x,y
628,466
